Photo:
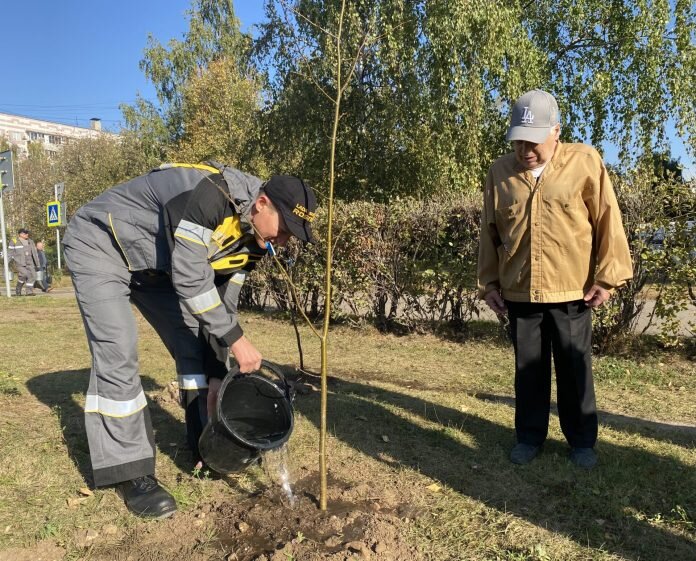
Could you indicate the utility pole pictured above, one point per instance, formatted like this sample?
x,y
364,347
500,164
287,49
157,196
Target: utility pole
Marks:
x,y
6,185
56,215
58,189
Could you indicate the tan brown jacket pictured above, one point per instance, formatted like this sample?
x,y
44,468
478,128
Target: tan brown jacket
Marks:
x,y
551,241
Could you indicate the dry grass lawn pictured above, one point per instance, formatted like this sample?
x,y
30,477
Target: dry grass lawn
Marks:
x,y
422,421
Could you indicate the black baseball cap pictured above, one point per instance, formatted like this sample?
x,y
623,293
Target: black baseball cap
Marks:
x,y
23,231
296,203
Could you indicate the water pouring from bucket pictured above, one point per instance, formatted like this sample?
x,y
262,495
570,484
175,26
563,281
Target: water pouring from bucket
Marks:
x,y
253,414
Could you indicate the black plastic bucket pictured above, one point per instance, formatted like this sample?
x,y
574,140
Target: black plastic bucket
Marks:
x,y
253,413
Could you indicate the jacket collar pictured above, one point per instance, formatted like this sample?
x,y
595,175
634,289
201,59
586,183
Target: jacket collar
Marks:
x,y
243,188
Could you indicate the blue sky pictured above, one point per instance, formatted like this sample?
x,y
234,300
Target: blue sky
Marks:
x,y
71,60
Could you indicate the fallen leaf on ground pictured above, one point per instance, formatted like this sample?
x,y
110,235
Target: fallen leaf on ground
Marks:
x,y
75,502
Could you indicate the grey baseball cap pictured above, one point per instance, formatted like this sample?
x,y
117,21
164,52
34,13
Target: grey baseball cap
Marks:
x,y
533,115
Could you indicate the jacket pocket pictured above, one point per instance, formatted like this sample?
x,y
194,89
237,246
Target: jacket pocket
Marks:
x,y
511,224
569,222
136,232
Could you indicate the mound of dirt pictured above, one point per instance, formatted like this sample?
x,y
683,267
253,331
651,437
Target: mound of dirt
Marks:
x,y
267,527
359,523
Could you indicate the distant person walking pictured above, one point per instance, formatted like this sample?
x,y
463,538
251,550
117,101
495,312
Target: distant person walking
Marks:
x,y
22,252
42,277
552,248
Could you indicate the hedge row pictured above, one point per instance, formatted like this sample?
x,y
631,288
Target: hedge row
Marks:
x,y
407,263
412,264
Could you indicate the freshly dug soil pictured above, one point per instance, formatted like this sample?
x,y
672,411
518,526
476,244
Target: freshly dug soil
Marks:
x,y
360,523
267,528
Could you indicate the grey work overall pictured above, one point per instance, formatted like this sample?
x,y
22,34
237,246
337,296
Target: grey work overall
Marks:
x,y
118,254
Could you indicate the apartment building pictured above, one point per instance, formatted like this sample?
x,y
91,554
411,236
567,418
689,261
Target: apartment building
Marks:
x,y
20,131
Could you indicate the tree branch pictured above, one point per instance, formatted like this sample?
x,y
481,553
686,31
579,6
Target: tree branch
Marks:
x,y
305,18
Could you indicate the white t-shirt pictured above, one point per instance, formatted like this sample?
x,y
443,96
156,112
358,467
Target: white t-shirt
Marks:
x,y
536,173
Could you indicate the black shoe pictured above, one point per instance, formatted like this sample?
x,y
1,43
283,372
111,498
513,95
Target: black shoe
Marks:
x,y
583,457
144,497
524,453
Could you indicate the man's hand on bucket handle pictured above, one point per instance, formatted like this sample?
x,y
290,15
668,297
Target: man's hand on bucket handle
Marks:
x,y
248,358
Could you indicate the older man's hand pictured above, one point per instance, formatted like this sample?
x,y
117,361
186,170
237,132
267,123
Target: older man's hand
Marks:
x,y
495,302
596,296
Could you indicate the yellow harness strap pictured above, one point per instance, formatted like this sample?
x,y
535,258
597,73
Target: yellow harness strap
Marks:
x,y
195,166
235,261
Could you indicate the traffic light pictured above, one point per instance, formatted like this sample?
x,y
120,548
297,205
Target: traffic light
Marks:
x,y
6,174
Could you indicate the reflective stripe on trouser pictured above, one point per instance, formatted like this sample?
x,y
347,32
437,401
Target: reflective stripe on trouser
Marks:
x,y
117,420
197,355
122,447
26,275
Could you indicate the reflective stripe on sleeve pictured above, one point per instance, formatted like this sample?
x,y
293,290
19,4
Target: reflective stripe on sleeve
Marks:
x,y
192,381
193,232
113,407
238,278
203,302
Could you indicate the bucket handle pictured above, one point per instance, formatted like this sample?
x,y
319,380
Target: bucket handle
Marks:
x,y
273,367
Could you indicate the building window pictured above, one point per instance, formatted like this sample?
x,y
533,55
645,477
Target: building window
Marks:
x,y
54,139
16,136
33,135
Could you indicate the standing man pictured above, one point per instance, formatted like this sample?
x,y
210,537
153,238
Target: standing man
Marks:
x,y
552,248
178,243
42,276
23,252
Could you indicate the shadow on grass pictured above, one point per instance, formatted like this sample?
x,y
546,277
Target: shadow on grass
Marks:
x,y
635,346
681,435
604,508
56,389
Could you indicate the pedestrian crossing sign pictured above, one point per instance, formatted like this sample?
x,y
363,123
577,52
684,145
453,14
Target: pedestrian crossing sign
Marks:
x,y
53,214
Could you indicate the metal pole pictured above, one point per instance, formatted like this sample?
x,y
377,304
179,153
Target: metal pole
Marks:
x,y
5,257
55,198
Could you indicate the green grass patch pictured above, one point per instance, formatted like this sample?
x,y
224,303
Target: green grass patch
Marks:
x,y
444,404
9,385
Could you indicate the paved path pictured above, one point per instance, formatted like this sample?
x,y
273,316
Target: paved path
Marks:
x,y
684,317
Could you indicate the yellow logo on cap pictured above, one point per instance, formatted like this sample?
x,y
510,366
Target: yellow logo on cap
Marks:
x,y
303,213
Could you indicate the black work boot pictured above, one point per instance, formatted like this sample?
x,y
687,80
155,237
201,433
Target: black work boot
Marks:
x,y
523,453
145,497
18,288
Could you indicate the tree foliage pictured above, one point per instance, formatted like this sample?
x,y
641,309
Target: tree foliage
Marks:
x,y
423,116
427,110
219,115
87,167
213,34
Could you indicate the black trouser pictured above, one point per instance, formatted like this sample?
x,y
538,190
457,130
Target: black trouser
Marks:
x,y
564,330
